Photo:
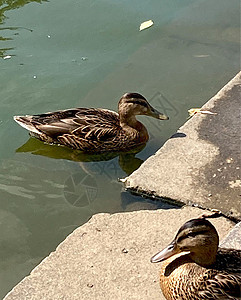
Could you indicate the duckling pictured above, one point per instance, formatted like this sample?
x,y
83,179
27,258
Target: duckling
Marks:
x,y
195,268
94,130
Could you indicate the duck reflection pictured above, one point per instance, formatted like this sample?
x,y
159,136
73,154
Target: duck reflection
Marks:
x,y
127,160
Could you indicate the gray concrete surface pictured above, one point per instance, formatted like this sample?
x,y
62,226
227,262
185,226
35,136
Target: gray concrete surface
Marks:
x,y
200,164
233,239
109,258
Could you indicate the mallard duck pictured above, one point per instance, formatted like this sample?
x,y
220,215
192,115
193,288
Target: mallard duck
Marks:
x,y
195,268
94,129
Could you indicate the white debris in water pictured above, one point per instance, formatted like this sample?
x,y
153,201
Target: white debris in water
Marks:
x,y
194,111
7,57
146,25
34,76
48,36
122,179
201,55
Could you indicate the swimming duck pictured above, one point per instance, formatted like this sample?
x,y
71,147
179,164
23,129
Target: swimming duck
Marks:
x,y
94,129
195,268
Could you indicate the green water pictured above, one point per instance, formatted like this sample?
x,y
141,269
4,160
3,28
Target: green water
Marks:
x,y
59,54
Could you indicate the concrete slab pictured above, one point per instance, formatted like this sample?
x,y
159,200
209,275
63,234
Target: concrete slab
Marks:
x,y
233,239
200,164
109,258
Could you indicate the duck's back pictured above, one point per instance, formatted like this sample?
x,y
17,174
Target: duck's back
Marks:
x,y
87,129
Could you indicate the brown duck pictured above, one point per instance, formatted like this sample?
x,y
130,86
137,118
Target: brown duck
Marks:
x,y
94,130
195,268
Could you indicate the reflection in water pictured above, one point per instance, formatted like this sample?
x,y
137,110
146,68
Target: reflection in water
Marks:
x,y
6,5
127,161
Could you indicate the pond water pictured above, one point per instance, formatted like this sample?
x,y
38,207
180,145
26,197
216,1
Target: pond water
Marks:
x,y
57,54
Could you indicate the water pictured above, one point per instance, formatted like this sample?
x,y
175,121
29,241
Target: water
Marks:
x,y
60,54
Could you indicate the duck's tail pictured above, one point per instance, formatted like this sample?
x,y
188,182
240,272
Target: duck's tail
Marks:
x,y
26,122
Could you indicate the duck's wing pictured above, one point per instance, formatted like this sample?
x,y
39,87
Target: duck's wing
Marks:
x,y
97,124
222,286
84,123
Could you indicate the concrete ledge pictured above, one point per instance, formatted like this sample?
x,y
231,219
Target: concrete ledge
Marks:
x,y
109,258
233,239
200,164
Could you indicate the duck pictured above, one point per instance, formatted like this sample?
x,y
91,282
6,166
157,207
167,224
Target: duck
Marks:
x,y
194,267
94,130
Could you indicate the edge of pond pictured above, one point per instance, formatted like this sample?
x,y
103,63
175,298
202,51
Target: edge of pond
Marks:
x,y
200,164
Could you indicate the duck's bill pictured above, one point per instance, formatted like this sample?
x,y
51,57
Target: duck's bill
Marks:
x,y
167,252
156,114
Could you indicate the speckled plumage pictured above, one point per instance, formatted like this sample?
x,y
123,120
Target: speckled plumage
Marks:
x,y
92,129
182,278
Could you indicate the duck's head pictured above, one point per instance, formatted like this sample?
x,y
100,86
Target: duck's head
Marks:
x,y
132,104
197,238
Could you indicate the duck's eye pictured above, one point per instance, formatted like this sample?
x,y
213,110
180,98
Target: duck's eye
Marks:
x,y
196,233
138,101
180,238
191,234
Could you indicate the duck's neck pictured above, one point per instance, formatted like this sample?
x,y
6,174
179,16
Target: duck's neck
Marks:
x,y
204,259
134,127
